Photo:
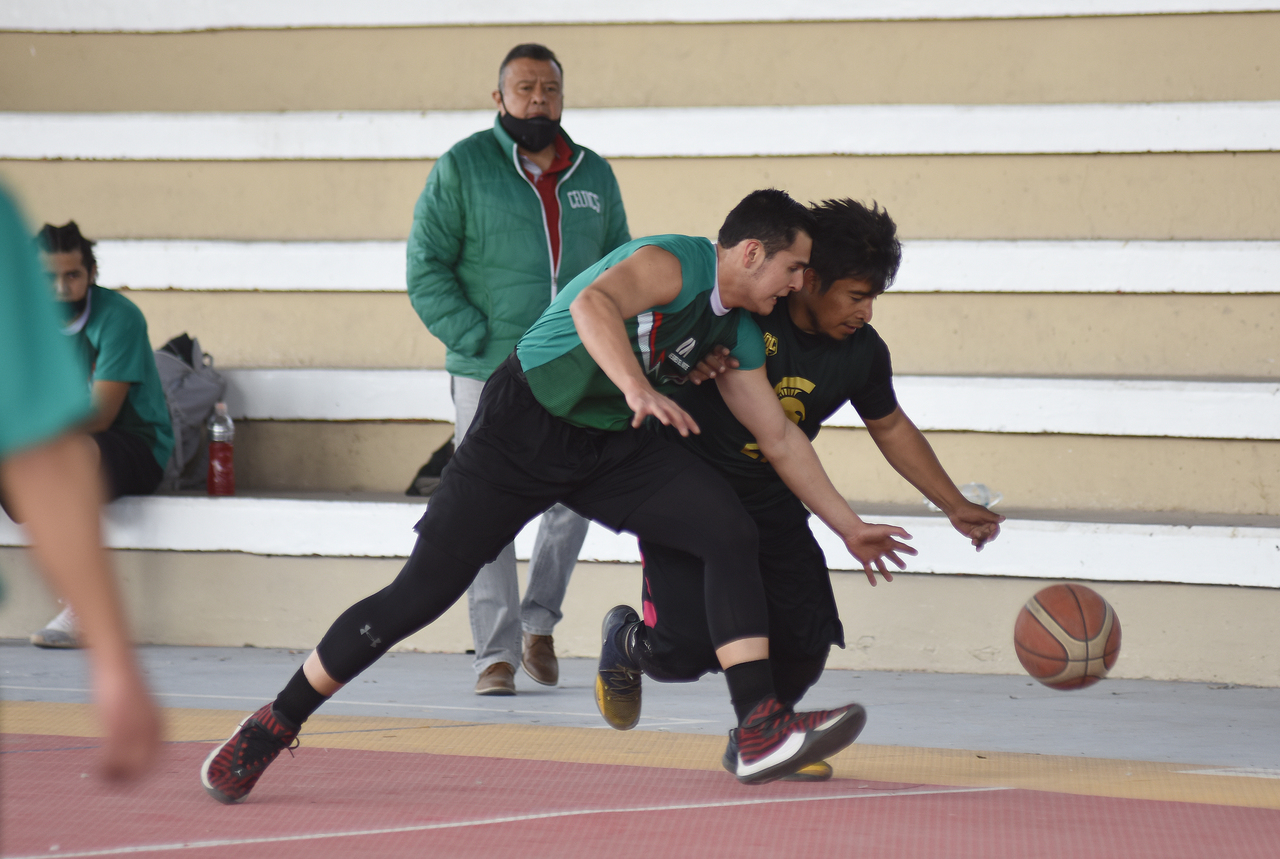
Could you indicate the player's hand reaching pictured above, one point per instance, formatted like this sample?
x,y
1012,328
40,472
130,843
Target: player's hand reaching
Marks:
x,y
977,523
872,544
714,363
643,400
131,720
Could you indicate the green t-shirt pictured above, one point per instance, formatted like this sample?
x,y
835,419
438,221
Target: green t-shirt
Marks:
x,y
42,392
667,340
115,348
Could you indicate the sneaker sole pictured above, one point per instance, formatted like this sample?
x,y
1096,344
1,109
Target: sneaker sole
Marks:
x,y
816,746
204,770
818,771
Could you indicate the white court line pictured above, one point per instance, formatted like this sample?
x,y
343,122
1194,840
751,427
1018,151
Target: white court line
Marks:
x,y
518,818
1246,772
674,720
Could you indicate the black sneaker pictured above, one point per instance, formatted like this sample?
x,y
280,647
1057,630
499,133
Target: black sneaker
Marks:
x,y
618,678
775,741
816,771
232,769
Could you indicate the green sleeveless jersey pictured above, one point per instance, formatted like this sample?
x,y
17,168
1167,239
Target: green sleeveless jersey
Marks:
x,y
667,340
813,377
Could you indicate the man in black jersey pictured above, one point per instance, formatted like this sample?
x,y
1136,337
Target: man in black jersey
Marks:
x,y
820,352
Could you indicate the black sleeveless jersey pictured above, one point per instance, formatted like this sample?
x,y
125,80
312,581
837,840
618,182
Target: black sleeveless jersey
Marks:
x,y
813,376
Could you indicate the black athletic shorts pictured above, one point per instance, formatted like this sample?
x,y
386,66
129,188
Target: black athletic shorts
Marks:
x,y
803,619
518,459
127,464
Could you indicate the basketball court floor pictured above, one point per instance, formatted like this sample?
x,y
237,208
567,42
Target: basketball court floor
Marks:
x,y
406,761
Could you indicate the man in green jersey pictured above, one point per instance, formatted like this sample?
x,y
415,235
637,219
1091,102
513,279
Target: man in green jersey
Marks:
x,y
821,352
559,421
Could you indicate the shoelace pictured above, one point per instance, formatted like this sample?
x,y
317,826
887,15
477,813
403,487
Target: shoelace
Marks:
x,y
623,683
259,747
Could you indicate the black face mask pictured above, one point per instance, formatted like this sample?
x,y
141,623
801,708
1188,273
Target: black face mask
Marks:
x,y
534,134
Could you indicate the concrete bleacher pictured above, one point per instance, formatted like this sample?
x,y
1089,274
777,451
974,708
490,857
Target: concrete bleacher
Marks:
x,y
1086,317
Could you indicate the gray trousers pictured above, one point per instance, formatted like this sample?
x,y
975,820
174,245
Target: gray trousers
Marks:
x,y
498,615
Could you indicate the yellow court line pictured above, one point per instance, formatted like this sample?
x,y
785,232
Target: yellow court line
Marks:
x,y
899,765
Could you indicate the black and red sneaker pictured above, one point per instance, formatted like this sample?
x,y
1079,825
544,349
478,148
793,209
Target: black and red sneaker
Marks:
x,y
775,741
232,769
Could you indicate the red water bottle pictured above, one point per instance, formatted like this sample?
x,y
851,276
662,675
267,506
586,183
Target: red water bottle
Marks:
x,y
222,468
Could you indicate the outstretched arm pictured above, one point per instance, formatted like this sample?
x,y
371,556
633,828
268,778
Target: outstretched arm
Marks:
x,y
911,455
648,278
55,491
754,403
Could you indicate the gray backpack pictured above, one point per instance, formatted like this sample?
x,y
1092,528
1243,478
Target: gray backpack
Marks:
x,y
192,387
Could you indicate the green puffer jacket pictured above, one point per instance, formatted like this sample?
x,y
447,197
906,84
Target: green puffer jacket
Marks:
x,y
479,256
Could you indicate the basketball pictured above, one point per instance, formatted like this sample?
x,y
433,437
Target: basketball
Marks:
x,y
1067,637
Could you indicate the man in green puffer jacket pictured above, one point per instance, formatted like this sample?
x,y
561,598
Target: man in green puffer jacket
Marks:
x,y
507,216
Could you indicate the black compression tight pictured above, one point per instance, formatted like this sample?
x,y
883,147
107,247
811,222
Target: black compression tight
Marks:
x,y
429,583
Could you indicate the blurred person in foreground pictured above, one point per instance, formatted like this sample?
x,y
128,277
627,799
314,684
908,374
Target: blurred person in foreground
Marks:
x,y
49,482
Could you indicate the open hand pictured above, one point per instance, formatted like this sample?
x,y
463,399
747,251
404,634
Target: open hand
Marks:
x,y
646,401
873,544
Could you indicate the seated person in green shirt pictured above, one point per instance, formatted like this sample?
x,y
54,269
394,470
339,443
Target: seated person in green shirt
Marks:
x,y
130,422
48,479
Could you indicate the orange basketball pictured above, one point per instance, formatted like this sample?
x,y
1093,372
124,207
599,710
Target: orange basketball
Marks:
x,y
1067,637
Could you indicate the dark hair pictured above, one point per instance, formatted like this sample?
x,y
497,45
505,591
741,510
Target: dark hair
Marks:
x,y
529,51
853,241
64,239
770,217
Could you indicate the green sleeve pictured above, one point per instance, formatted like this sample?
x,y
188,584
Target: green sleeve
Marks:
x,y
434,248
124,351
750,347
43,391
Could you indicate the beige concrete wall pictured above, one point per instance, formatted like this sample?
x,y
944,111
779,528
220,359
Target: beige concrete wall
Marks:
x,y
1159,336
1040,472
1176,196
1169,336
295,329
333,456
915,623
1144,58
1075,472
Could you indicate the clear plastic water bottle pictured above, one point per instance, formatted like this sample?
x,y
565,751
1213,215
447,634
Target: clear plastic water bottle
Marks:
x,y
222,469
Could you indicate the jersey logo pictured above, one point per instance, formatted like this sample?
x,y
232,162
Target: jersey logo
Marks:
x,y
789,391
583,200
686,347
770,345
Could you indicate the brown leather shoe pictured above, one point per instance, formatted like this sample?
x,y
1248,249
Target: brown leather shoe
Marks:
x,y
498,679
539,658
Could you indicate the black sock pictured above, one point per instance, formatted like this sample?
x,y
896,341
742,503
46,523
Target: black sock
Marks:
x,y
749,684
299,699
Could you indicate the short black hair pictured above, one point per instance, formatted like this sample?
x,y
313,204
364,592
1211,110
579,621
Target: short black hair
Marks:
x,y
853,241
529,51
64,239
771,217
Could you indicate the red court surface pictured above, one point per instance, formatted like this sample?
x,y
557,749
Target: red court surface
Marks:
x,y
371,803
